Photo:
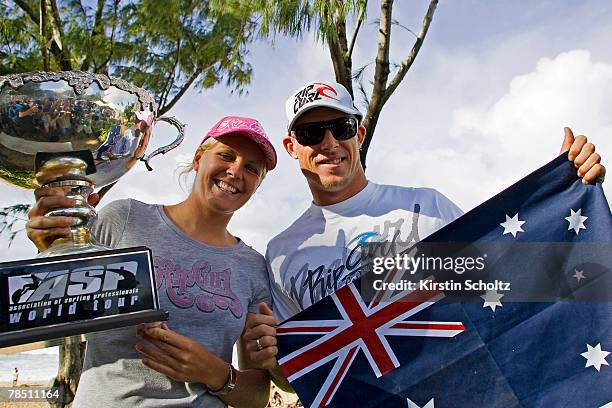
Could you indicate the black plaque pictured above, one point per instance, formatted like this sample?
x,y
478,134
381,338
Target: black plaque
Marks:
x,y
50,298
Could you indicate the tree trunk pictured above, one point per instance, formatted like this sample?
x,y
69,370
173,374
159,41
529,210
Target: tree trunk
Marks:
x,y
69,372
369,122
381,73
382,88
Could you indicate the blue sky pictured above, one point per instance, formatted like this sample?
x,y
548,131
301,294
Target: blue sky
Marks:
x,y
484,104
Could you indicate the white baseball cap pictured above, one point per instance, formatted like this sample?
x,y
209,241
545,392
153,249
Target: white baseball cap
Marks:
x,y
317,94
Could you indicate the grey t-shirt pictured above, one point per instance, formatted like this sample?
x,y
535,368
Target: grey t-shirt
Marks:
x,y
207,290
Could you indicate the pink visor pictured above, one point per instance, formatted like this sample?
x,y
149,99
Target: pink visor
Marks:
x,y
249,128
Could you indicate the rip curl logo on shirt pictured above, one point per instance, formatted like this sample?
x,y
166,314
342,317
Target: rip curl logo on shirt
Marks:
x,y
235,124
310,285
199,286
313,92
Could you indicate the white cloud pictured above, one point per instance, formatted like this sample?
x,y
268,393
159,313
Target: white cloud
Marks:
x,y
311,61
491,144
524,127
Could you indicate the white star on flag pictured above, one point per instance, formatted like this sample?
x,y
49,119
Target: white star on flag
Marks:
x,y
576,220
429,404
512,225
579,275
595,356
491,299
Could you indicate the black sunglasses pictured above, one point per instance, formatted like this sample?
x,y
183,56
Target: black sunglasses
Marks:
x,y
310,134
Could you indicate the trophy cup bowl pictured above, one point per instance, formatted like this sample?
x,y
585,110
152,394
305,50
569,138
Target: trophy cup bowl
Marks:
x,y
74,130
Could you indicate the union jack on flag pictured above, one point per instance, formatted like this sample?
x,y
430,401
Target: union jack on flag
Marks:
x,y
419,350
360,328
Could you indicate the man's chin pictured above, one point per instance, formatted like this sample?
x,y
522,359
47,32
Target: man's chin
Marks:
x,y
334,184
327,182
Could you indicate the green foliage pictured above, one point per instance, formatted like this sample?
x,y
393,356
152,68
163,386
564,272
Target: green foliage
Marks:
x,y
10,218
164,46
296,17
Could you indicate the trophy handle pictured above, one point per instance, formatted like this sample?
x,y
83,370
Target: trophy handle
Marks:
x,y
164,149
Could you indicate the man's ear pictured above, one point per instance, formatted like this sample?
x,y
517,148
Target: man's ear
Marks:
x,y
290,143
361,134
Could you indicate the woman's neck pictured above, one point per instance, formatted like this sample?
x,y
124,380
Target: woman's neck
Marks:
x,y
201,224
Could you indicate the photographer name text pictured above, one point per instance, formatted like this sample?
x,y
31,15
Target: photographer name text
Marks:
x,y
450,285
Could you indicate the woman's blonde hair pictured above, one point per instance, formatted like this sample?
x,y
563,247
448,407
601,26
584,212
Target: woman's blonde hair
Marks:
x,y
186,168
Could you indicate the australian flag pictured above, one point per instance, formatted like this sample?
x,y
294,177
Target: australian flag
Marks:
x,y
417,349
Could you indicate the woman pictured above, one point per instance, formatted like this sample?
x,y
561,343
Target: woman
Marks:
x,y
207,278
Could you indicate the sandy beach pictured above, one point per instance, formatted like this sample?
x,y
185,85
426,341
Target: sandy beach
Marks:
x,y
287,398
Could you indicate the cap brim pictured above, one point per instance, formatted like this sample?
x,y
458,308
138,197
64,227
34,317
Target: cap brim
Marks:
x,y
324,104
264,144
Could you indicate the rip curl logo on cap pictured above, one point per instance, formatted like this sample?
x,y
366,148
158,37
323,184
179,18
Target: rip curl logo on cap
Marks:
x,y
239,124
313,93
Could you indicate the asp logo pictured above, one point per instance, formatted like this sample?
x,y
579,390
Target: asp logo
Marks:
x,y
72,282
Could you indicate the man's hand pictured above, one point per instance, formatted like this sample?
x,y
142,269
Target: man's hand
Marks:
x,y
260,338
582,154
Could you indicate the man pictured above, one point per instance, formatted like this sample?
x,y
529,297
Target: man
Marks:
x,y
318,253
15,377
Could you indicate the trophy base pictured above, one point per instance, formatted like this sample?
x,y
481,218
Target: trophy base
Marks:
x,y
65,246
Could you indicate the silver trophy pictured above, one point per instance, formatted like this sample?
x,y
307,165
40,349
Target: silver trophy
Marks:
x,y
74,130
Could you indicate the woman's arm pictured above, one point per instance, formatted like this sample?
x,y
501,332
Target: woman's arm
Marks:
x,y
184,359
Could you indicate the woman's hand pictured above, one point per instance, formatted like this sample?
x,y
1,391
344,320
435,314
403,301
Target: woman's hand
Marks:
x,y
260,347
181,358
43,230
259,338
184,359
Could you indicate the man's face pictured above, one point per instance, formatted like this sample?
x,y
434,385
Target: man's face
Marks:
x,y
331,166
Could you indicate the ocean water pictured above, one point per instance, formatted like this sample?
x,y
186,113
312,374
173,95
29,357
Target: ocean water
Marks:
x,y
38,365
